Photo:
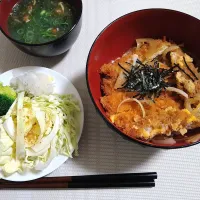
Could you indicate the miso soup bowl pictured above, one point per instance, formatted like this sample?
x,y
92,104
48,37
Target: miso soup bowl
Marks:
x,y
119,36
49,49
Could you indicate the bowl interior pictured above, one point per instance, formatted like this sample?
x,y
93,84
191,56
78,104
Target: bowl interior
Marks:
x,y
120,36
7,5
5,9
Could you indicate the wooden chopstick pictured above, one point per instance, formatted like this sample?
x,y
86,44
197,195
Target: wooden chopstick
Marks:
x,y
81,185
89,181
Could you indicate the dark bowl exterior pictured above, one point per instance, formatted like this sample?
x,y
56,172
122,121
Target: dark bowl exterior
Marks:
x,y
120,36
53,48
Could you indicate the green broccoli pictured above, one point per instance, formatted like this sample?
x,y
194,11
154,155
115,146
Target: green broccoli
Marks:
x,y
7,97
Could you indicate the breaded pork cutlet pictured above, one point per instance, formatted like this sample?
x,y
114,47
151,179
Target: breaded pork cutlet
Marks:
x,y
169,112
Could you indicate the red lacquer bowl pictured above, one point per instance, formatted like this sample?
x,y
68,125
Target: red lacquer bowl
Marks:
x,y
120,36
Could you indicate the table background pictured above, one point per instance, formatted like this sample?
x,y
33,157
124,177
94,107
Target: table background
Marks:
x,y
101,150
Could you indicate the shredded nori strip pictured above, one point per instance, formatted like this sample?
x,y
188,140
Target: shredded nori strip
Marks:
x,y
190,69
147,80
184,72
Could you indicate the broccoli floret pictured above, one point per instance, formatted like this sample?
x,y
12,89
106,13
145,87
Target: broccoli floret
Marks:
x,y
7,97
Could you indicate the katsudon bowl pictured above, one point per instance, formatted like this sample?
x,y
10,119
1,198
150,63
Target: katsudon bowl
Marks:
x,y
119,36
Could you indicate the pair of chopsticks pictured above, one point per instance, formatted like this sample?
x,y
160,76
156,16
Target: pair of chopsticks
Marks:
x,y
126,180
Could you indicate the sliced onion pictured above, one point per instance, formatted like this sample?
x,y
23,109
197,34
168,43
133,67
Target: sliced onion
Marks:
x,y
193,139
141,41
131,100
135,57
181,92
62,6
188,105
120,80
171,48
166,141
154,49
191,101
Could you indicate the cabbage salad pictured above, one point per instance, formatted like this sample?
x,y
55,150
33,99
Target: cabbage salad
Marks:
x,y
38,126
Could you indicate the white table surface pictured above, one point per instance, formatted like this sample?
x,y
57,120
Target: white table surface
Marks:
x,y
101,150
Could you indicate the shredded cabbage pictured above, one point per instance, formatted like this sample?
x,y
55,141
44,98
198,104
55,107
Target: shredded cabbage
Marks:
x,y
9,127
5,141
20,144
42,128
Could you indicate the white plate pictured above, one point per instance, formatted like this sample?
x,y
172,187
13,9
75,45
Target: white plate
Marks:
x,y
62,86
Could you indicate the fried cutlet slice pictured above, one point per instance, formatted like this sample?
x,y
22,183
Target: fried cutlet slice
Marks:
x,y
185,62
162,117
111,102
112,74
111,71
148,48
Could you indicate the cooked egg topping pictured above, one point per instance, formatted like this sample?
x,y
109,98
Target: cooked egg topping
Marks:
x,y
175,110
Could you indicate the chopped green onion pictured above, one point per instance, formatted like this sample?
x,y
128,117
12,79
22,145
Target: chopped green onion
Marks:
x,y
28,40
29,34
43,12
56,22
20,31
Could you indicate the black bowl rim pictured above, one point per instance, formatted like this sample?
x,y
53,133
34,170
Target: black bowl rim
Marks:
x,y
124,136
47,43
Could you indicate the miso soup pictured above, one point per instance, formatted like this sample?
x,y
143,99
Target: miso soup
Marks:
x,y
40,21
